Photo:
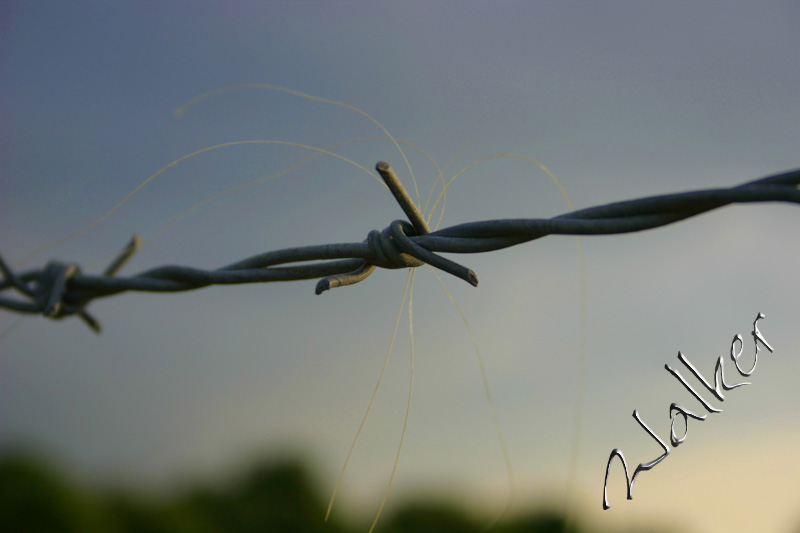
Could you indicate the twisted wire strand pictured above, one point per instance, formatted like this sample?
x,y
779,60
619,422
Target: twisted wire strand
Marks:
x,y
60,290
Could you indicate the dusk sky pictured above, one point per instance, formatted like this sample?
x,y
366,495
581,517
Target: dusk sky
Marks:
x,y
618,99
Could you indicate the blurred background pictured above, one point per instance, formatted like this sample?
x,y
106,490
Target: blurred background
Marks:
x,y
224,407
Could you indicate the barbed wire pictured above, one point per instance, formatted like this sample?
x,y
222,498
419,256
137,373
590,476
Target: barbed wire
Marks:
x,y
60,290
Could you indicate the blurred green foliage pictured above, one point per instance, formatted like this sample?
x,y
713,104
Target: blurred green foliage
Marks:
x,y
273,496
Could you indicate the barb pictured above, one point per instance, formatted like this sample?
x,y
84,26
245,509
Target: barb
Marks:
x,y
60,290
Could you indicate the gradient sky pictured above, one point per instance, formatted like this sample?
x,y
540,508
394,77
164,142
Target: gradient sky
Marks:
x,y
618,99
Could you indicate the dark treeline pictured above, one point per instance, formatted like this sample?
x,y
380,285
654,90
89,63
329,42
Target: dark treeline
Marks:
x,y
275,496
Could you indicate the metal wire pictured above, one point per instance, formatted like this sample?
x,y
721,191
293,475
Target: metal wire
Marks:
x,y
60,290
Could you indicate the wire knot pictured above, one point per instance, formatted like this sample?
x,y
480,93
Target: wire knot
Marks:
x,y
48,289
393,247
384,249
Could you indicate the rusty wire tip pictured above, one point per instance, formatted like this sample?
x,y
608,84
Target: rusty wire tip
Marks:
x,y
322,286
124,256
472,278
90,321
409,207
347,278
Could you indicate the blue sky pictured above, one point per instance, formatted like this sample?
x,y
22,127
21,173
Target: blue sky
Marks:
x,y
618,99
